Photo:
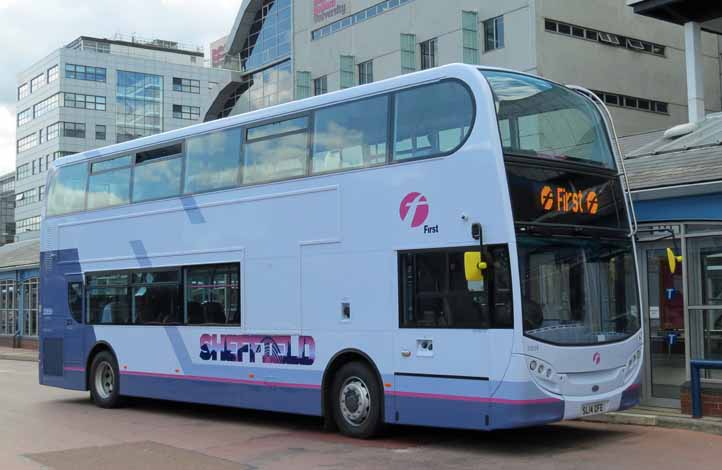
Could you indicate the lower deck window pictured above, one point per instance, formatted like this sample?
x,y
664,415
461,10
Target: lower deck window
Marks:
x,y
172,296
434,292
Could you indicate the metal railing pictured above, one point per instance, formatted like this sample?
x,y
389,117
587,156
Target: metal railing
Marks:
x,y
695,366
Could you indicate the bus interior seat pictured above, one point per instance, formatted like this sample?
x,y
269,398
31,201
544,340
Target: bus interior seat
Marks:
x,y
195,313
214,312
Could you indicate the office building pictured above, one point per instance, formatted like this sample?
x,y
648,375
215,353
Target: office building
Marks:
x,y
95,92
7,208
287,49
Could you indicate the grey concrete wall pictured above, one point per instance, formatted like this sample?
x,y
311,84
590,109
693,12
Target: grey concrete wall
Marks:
x,y
619,70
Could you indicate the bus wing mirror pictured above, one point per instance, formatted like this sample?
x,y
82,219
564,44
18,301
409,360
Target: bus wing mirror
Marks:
x,y
672,259
474,266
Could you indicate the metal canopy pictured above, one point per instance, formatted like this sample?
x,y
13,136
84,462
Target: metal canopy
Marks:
x,y
706,12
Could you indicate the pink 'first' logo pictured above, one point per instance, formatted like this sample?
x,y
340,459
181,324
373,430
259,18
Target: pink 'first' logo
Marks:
x,y
596,358
414,206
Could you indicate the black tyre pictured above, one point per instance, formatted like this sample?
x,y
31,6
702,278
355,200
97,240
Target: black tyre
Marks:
x,y
356,400
104,380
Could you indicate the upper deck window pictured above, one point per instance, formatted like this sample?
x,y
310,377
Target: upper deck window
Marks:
x,y
431,120
538,118
67,191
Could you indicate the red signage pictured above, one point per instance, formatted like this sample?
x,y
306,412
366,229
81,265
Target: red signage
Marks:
x,y
325,9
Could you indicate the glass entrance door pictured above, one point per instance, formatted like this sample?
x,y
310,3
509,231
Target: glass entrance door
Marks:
x,y
665,325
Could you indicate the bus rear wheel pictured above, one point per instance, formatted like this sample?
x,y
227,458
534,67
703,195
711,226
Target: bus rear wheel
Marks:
x,y
356,401
104,381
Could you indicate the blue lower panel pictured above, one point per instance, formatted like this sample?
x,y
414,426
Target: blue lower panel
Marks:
x,y
437,412
516,415
262,397
630,397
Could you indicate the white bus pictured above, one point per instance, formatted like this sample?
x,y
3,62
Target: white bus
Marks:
x,y
452,247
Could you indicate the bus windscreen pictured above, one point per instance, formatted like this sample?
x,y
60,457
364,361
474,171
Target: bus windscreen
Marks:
x,y
538,118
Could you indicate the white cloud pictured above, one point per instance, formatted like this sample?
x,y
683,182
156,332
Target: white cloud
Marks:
x,y
30,30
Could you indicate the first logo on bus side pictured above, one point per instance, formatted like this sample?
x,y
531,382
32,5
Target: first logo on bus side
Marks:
x,y
414,210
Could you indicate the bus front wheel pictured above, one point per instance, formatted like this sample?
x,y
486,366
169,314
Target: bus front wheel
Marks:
x,y
104,377
356,398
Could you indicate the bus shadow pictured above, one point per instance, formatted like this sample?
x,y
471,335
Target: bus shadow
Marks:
x,y
553,438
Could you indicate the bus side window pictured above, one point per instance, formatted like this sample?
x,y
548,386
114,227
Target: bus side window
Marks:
x,y
431,120
75,300
434,291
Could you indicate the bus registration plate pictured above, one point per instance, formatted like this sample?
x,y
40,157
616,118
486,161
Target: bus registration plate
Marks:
x,y
596,408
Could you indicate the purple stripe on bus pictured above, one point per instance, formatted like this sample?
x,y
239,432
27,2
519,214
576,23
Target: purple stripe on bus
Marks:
x,y
221,380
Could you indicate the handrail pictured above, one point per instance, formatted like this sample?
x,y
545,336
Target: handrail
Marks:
x,y
607,116
695,366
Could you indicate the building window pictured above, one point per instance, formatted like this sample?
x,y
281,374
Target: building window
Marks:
x,y
77,100
53,131
366,72
41,192
303,84
99,132
30,307
494,33
408,53
25,117
610,39
186,112
269,38
84,72
8,313
61,154
22,171
37,83
47,105
74,129
139,98
26,198
186,85
52,74
347,71
27,142
31,224
641,104
23,91
470,37
428,54
359,17
320,85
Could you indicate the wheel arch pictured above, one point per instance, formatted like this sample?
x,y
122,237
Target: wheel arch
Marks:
x,y
94,351
337,361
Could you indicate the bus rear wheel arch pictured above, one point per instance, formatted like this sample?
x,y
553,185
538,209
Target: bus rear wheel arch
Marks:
x,y
353,400
104,379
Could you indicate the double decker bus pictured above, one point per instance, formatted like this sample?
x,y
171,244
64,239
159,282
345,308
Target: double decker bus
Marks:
x,y
450,248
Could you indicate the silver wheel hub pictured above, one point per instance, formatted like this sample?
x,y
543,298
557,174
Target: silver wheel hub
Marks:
x,y
355,401
104,380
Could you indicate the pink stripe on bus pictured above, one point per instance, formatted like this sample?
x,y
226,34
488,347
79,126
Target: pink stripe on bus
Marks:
x,y
504,401
221,380
74,369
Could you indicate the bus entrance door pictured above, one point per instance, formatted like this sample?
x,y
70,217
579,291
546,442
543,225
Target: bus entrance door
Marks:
x,y
441,378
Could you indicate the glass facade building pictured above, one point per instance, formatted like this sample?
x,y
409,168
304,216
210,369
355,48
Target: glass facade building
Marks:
x,y
139,105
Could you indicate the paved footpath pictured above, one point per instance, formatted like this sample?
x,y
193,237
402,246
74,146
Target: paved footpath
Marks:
x,y
45,428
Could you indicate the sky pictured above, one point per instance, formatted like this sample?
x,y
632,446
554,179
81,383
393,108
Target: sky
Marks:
x,y
32,29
